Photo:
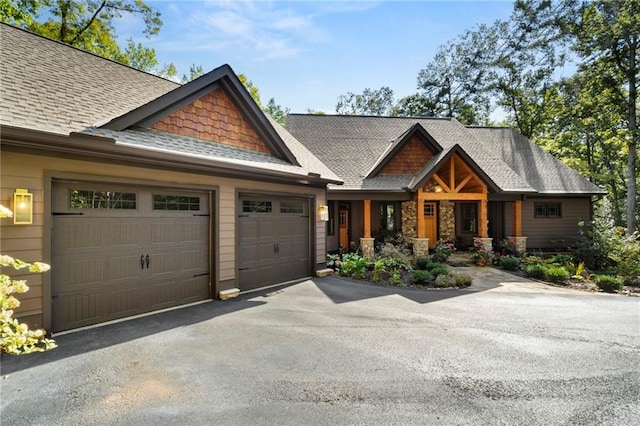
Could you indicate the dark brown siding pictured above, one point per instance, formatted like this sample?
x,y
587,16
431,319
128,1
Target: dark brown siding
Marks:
x,y
549,232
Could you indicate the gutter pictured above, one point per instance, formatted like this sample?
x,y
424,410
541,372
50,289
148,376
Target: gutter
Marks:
x,y
106,149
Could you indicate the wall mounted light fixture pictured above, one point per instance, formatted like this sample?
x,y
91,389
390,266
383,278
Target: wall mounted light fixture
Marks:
x,y
22,207
323,213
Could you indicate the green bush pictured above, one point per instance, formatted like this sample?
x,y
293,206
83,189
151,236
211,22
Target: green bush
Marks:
x,y
607,283
423,263
353,266
557,274
445,281
442,251
395,256
509,263
439,270
462,280
421,277
535,270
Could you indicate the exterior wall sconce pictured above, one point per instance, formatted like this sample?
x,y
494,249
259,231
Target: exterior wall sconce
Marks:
x,y
323,212
22,207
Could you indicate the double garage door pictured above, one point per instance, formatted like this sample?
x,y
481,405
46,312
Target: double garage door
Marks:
x,y
122,251
119,251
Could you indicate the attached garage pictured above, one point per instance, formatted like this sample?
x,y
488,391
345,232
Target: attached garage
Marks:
x,y
124,250
273,240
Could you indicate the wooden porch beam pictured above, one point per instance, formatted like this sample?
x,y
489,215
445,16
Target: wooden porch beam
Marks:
x,y
483,228
420,231
440,182
367,218
463,183
517,218
452,174
455,196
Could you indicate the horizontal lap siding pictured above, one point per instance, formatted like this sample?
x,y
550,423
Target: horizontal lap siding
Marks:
x,y
27,241
549,232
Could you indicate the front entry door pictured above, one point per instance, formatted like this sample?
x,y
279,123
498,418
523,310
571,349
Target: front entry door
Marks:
x,y
343,222
431,222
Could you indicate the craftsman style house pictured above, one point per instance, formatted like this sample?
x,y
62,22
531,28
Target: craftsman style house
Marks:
x,y
142,193
433,178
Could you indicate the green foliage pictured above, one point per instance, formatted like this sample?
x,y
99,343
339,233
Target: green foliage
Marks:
x,y
16,338
508,247
442,251
462,280
353,266
378,267
509,263
480,252
421,277
396,256
445,281
607,283
276,111
370,102
195,71
438,270
396,279
334,262
423,263
536,270
557,274
89,25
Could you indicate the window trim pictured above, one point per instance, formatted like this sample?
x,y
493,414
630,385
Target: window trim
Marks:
x,y
541,210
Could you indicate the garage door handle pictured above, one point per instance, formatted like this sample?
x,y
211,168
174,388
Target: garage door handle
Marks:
x,y
142,261
147,260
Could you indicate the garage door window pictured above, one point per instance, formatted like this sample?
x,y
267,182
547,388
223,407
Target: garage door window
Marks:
x,y
176,202
87,199
292,207
251,206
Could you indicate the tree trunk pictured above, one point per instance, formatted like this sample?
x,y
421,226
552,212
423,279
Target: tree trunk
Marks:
x,y
633,143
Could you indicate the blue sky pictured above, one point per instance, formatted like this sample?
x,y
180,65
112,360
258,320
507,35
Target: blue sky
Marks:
x,y
307,53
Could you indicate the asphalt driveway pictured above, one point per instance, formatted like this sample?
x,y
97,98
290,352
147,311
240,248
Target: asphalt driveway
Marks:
x,y
329,351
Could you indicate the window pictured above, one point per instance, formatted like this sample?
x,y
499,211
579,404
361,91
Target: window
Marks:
x,y
250,206
292,207
387,216
547,210
87,199
176,202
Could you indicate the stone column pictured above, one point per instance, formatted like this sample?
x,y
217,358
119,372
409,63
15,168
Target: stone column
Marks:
x,y
521,243
420,247
367,247
487,243
447,221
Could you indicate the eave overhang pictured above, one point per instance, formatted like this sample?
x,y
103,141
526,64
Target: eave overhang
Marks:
x,y
103,149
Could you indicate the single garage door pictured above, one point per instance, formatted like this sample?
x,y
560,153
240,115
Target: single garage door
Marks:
x,y
273,240
121,251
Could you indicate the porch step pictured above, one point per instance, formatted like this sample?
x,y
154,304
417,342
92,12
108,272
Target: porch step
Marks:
x,y
324,272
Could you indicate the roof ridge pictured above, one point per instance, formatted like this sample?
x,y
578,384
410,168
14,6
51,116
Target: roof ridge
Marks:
x,y
31,33
372,116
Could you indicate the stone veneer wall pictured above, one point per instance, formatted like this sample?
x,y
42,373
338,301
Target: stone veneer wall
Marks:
x,y
409,219
447,221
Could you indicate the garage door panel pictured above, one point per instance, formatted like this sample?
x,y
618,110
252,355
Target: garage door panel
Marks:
x,y
97,274
273,242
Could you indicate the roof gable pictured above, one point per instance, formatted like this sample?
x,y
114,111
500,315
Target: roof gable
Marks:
x,y
214,107
407,154
457,159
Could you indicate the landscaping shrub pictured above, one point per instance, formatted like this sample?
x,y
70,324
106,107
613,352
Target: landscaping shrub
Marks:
x,y
508,248
535,270
445,281
607,283
462,280
439,270
421,277
557,274
353,266
509,263
423,263
442,251
395,256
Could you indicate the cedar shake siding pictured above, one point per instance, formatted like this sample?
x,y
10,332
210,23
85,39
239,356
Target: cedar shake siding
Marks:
x,y
215,118
409,160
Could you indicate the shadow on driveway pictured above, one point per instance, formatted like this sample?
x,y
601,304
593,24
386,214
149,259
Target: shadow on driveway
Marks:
x,y
96,338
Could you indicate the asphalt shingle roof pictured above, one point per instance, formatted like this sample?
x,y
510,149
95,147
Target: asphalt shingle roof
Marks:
x,y
52,87
352,145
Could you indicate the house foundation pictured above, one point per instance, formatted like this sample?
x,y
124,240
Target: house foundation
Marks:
x,y
420,247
